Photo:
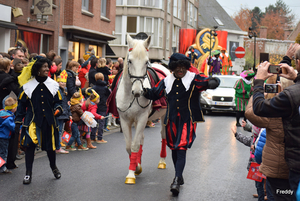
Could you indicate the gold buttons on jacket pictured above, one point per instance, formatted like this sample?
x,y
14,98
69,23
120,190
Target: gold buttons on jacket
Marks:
x,y
43,110
177,100
176,92
41,89
42,102
177,85
42,96
177,108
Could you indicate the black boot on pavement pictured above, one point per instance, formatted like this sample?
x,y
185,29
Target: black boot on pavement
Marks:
x,y
27,178
56,173
174,188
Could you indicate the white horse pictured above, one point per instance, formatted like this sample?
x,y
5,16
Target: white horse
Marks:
x,y
134,108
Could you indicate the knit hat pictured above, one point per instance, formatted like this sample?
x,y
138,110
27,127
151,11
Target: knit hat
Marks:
x,y
177,57
247,73
76,98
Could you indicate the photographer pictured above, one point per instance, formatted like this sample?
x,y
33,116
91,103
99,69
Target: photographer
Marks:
x,y
285,105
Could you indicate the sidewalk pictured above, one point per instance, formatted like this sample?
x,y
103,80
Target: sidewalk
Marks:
x,y
40,153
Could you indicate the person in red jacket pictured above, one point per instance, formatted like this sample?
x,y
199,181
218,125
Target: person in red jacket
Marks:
x,y
90,105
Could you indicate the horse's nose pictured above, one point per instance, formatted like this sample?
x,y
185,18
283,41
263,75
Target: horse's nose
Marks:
x,y
136,95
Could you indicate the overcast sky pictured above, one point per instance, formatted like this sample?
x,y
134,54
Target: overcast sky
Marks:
x,y
232,6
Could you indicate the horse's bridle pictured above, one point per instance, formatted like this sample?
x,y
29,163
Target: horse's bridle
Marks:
x,y
136,78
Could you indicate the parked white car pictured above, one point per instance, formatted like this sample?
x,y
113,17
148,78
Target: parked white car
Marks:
x,y
221,98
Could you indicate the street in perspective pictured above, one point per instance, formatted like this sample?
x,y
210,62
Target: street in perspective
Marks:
x,y
216,170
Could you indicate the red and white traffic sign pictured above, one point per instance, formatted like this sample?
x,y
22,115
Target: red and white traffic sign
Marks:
x,y
240,52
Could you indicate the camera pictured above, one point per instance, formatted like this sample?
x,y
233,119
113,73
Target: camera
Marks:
x,y
275,69
271,88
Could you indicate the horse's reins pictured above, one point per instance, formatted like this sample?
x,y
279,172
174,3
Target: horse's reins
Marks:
x,y
136,78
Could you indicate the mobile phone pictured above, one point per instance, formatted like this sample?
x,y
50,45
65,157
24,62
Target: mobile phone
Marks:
x,y
275,69
271,88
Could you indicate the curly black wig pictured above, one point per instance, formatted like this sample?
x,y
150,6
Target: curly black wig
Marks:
x,y
182,63
38,64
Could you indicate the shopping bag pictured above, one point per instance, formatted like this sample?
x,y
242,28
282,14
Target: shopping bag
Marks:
x,y
66,137
254,173
2,162
88,119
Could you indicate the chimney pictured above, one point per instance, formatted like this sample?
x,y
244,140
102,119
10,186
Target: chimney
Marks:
x,y
263,32
287,33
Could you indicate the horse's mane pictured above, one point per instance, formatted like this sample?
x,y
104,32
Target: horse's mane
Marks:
x,y
139,50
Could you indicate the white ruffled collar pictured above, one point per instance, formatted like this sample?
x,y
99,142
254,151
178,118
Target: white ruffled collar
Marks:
x,y
186,81
247,81
30,86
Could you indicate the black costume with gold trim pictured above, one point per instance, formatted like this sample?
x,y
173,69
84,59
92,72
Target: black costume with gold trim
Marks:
x,y
37,103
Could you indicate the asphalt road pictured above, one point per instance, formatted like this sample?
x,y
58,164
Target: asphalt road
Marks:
x,y
215,170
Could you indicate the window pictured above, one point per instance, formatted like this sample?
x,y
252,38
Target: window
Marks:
x,y
131,24
133,2
175,37
168,35
168,6
148,27
195,17
179,9
118,31
162,4
220,23
161,31
103,8
191,16
175,8
119,2
85,5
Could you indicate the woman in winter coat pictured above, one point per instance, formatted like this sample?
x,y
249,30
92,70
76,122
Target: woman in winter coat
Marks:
x,y
273,162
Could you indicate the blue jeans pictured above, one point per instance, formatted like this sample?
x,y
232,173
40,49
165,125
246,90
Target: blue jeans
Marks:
x,y
75,134
294,179
269,191
260,190
3,152
61,123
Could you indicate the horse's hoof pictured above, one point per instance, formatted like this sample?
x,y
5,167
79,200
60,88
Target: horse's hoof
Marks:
x,y
139,169
161,165
130,180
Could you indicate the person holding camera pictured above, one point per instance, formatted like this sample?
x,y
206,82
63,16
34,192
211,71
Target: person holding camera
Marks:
x,y
286,105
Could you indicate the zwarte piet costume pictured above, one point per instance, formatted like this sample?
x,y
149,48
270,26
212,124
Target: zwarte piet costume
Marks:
x,y
39,101
183,110
243,91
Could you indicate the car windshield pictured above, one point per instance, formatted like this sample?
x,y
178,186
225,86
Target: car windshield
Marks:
x,y
228,82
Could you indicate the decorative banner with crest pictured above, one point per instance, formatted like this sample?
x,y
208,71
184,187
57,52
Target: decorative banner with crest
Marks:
x,y
43,7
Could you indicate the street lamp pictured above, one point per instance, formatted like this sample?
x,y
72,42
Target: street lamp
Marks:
x,y
212,32
252,33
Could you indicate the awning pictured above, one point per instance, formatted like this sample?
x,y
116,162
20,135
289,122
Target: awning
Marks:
x,y
8,25
109,51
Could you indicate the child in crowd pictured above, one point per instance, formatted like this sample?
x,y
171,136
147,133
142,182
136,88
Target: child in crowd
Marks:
x,y
18,66
66,114
25,61
90,105
76,114
249,141
102,68
7,129
103,91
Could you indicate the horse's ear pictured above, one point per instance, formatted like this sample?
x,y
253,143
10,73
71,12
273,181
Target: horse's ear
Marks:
x,y
129,41
147,42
